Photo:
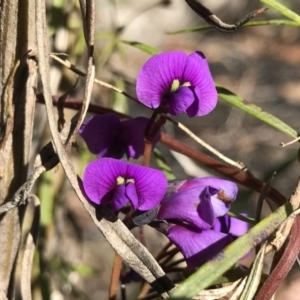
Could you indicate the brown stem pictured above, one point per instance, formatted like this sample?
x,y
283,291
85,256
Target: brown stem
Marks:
x,y
162,252
147,153
115,277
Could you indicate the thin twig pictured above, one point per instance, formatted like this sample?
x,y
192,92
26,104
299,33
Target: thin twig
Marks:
x,y
231,162
70,66
290,143
213,20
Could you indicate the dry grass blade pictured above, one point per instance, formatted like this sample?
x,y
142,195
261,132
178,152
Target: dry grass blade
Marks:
x,y
30,246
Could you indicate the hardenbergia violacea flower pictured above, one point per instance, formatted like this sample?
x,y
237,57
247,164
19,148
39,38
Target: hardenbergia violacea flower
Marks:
x,y
195,212
108,136
177,83
112,182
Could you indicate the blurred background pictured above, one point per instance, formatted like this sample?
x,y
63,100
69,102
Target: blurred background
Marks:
x,y
261,64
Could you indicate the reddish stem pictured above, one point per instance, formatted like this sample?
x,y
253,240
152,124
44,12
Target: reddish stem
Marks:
x,y
284,265
115,277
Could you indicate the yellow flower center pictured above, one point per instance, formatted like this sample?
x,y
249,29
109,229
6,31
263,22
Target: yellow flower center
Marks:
x,y
176,85
122,180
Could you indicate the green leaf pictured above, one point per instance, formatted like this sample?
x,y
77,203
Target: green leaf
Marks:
x,y
46,194
146,48
163,165
283,10
241,217
254,23
255,111
213,269
83,270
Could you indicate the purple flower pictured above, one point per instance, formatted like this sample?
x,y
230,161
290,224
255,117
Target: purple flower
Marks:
x,y
113,182
198,201
195,211
178,83
198,246
107,136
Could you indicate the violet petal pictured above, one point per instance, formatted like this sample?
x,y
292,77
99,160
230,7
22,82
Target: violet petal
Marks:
x,y
192,206
155,79
150,184
198,74
100,178
198,247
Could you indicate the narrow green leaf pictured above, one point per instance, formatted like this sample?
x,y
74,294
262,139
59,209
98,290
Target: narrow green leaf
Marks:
x,y
146,48
163,165
283,10
255,111
46,194
213,269
254,277
241,217
254,23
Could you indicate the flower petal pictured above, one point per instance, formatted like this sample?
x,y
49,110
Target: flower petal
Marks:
x,y
198,247
179,101
150,185
132,134
221,201
119,198
100,178
237,227
101,134
155,79
191,206
132,195
198,74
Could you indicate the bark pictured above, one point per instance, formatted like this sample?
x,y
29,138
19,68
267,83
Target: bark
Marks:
x,y
18,77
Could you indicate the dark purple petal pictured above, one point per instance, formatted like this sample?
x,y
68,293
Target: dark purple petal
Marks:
x,y
230,225
124,194
132,195
150,184
198,247
222,200
100,178
155,79
222,224
119,198
191,206
132,135
101,134
198,74
179,101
